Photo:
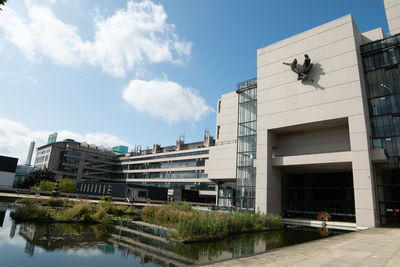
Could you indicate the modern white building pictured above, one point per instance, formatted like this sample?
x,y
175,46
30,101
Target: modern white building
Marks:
x,y
8,166
301,139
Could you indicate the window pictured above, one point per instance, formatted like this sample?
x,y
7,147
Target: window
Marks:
x,y
219,106
218,128
377,143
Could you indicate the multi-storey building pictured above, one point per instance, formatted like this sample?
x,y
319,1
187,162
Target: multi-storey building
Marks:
x,y
180,166
78,161
317,136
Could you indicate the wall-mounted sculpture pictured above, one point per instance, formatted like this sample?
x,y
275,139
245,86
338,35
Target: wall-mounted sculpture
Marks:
x,y
301,70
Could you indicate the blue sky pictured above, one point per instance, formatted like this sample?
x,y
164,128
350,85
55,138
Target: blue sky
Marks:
x,y
139,72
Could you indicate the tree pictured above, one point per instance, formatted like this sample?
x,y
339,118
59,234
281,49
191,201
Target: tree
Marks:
x,y
2,2
67,185
46,185
34,178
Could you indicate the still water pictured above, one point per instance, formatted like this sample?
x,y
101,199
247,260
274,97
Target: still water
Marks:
x,y
57,245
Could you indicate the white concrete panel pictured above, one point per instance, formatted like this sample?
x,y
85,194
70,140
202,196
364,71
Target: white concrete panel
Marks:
x,y
365,217
357,124
359,141
306,35
363,198
361,161
321,55
222,162
322,158
332,139
363,179
373,35
392,8
310,114
7,179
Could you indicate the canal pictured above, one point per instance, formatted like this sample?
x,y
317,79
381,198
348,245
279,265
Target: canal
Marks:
x,y
56,245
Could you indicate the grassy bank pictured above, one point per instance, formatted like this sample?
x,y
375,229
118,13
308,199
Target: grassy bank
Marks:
x,y
192,225
63,210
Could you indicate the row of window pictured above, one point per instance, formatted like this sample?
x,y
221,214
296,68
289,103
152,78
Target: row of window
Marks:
x,y
248,83
383,82
94,188
41,159
385,126
188,186
43,152
185,154
385,105
167,175
382,59
381,44
165,165
247,128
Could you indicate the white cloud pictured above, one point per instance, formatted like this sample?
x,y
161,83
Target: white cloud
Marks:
x,y
15,139
130,37
166,99
14,76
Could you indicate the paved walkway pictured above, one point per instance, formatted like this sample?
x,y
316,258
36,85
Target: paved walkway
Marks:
x,y
372,247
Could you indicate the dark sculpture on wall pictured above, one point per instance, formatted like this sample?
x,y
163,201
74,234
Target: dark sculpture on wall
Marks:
x,y
301,70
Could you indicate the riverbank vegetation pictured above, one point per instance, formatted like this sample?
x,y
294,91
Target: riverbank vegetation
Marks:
x,y
63,210
192,225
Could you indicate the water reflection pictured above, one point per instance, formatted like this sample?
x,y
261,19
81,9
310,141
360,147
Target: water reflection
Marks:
x,y
2,215
68,244
55,236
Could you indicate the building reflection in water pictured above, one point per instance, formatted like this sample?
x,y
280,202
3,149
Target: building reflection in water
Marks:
x,y
145,247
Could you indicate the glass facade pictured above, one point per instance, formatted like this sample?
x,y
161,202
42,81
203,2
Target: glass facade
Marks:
x,y
183,185
306,195
226,193
168,175
168,164
381,60
246,146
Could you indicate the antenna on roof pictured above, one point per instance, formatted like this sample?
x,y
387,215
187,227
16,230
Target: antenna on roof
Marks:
x,y
182,137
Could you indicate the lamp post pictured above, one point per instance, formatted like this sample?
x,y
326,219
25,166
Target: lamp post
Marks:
x,y
56,190
109,193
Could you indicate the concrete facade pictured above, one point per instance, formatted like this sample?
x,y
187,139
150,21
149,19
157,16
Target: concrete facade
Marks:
x,y
221,166
181,166
392,8
321,124
80,161
328,115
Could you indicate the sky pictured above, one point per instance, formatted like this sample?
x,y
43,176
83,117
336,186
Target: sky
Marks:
x,y
139,72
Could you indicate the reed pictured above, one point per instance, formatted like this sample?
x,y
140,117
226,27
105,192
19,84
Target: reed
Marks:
x,y
59,210
192,225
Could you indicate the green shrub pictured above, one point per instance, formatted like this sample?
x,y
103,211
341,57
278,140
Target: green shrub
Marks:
x,y
32,212
192,225
46,185
67,185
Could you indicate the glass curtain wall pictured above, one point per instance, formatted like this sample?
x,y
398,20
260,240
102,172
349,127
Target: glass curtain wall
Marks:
x,y
381,60
246,145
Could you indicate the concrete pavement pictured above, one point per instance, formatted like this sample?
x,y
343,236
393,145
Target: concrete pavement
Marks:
x,y
372,247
